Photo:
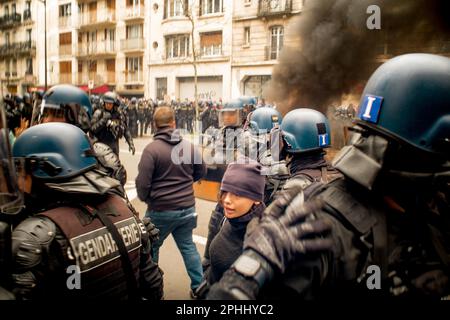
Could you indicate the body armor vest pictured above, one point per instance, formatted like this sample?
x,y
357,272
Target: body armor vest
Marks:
x,y
92,247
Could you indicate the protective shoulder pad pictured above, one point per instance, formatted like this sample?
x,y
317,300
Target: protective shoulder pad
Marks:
x,y
297,181
30,239
355,212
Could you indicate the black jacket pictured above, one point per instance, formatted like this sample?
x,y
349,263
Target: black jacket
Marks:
x,y
226,246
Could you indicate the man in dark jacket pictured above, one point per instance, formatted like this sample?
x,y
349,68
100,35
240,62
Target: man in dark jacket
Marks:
x,y
168,168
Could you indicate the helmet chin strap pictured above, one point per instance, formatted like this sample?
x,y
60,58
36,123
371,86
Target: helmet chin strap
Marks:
x,y
362,161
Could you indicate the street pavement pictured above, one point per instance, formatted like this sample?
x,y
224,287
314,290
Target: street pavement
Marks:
x,y
176,280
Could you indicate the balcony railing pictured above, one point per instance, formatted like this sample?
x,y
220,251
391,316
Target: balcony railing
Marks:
x,y
134,76
65,21
65,78
65,49
132,44
134,12
274,7
97,17
26,15
18,48
100,47
8,21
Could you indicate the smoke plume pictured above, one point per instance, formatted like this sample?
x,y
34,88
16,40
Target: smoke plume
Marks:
x,y
334,52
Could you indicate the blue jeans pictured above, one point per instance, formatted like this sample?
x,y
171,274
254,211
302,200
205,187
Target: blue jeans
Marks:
x,y
179,223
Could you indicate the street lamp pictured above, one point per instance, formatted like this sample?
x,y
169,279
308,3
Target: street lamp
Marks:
x,y
45,40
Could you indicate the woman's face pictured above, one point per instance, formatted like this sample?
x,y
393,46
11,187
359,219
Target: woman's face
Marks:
x,y
235,206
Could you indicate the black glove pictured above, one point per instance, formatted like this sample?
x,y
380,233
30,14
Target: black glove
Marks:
x,y
113,127
132,149
152,230
288,228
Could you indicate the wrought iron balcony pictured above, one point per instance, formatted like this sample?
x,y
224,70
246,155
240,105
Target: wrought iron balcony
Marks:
x,y
18,48
26,15
9,21
268,8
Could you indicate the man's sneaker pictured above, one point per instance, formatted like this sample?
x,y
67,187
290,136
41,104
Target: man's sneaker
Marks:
x,y
193,295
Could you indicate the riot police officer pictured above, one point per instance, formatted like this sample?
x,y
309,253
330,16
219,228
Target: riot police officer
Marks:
x,y
305,134
249,104
133,117
77,226
70,104
141,116
109,124
260,123
390,211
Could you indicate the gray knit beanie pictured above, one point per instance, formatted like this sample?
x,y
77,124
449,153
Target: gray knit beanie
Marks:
x,y
244,180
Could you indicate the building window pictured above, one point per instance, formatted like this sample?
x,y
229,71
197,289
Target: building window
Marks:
x,y
177,46
134,64
175,8
161,88
254,85
211,44
28,5
13,9
210,6
14,67
65,43
7,38
276,41
134,71
247,2
65,10
135,31
28,35
29,69
7,67
246,36
6,11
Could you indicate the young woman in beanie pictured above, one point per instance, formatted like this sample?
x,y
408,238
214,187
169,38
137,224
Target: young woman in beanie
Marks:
x,y
241,199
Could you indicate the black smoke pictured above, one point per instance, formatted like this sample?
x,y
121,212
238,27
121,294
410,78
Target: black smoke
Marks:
x,y
334,51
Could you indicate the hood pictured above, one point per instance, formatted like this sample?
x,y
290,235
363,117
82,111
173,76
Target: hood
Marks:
x,y
169,135
90,182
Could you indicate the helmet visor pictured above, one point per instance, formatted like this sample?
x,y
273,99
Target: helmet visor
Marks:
x,y
48,113
11,199
230,118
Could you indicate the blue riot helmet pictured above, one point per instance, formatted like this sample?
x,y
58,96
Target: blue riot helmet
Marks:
x,y
231,115
305,130
55,151
65,103
110,100
263,120
408,99
248,101
11,199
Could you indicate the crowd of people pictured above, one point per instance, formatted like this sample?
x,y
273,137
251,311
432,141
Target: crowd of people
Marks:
x,y
288,224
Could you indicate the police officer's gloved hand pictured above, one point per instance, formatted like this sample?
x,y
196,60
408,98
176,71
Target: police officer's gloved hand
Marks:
x,y
132,149
152,230
288,228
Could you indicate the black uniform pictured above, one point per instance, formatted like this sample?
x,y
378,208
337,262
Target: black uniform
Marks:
x,y
72,238
404,237
109,126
